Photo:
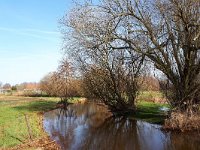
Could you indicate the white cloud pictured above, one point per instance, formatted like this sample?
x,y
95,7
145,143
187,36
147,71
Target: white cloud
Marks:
x,y
35,33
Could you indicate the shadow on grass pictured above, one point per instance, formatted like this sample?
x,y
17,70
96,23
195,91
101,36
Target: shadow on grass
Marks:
x,y
37,106
150,113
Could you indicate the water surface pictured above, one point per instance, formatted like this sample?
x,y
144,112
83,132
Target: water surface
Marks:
x,y
89,127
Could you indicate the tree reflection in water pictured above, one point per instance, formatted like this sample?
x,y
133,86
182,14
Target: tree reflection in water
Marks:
x,y
91,127
113,134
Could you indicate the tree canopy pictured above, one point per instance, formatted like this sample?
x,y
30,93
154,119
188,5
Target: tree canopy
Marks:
x,y
116,35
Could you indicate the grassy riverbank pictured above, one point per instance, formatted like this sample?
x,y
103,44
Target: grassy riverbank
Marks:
x,y
151,112
21,118
20,114
15,128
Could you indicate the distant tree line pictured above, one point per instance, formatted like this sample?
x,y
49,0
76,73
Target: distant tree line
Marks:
x,y
25,88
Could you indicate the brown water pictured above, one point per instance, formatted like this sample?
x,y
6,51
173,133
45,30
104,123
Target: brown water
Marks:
x,y
88,127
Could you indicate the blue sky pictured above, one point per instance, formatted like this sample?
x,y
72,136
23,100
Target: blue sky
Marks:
x,y
30,41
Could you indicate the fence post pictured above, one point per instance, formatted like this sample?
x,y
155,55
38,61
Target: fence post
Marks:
x,y
28,127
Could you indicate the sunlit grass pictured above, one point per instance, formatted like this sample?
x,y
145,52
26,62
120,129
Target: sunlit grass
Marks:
x,y
149,95
13,127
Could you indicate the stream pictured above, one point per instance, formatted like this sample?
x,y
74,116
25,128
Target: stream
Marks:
x,y
89,127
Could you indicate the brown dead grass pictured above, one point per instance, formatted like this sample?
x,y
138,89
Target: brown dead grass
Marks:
x,y
44,143
182,122
16,98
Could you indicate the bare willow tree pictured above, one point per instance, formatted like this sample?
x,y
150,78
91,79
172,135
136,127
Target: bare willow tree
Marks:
x,y
46,85
1,84
168,33
61,83
117,86
110,73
